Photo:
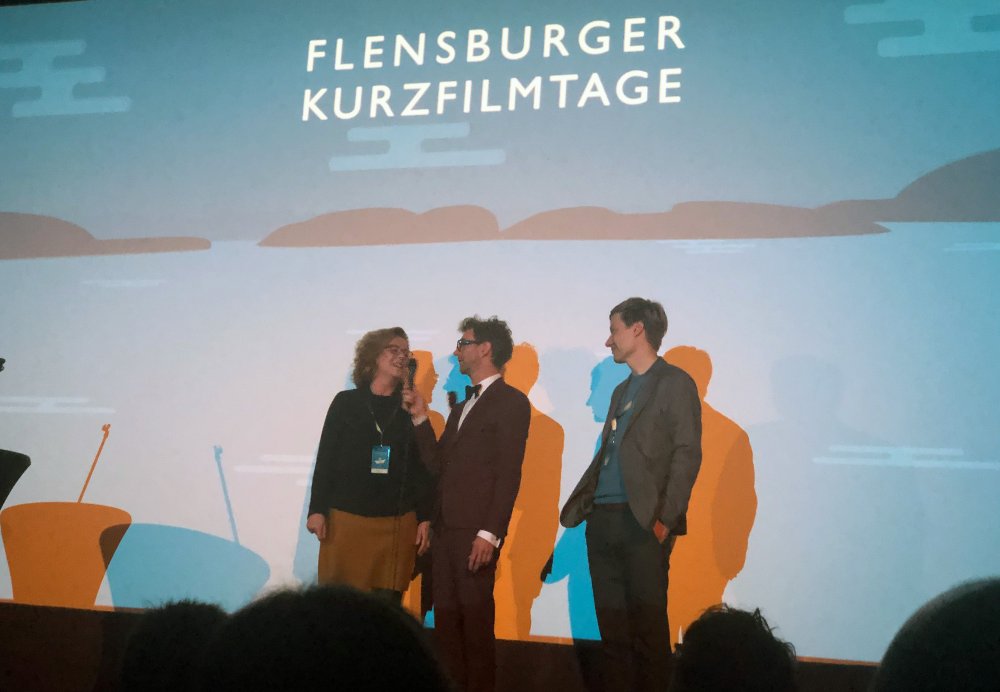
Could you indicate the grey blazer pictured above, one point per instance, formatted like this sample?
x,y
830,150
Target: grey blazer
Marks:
x,y
660,452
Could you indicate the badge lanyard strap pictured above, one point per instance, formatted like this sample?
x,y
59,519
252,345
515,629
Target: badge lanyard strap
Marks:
x,y
378,427
614,425
618,414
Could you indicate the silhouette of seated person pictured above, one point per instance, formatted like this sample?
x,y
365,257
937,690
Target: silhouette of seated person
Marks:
x,y
721,510
322,638
167,649
951,643
732,650
535,520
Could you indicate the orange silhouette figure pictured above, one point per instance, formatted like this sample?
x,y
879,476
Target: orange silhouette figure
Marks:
x,y
531,535
417,596
424,382
54,548
721,511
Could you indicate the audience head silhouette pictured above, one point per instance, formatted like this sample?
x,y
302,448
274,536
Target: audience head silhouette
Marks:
x,y
167,649
951,643
322,638
733,650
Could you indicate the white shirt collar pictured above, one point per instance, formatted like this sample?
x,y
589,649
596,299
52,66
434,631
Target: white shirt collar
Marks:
x,y
469,403
484,385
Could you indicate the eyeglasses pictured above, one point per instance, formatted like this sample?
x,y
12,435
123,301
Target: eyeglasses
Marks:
x,y
398,350
465,342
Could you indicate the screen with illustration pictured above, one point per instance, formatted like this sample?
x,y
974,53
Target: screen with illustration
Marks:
x,y
203,206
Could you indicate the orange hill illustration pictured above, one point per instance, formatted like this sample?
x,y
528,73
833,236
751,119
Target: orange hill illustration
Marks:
x,y
30,236
388,227
468,223
961,191
688,220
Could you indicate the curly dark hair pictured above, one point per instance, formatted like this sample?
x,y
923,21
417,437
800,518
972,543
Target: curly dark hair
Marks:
x,y
367,350
496,332
731,649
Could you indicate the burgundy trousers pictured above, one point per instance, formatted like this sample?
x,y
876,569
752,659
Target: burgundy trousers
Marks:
x,y
464,611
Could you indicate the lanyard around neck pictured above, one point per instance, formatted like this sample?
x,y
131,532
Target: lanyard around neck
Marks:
x,y
378,427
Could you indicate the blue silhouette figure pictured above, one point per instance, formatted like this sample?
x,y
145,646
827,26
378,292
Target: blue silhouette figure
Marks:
x,y
605,376
569,559
456,381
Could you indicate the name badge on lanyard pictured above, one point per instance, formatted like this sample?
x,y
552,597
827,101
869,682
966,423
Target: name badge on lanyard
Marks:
x,y
381,452
380,458
612,440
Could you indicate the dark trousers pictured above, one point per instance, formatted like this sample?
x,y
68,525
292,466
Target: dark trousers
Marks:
x,y
464,611
628,567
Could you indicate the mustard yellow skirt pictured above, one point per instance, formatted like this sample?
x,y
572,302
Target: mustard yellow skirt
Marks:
x,y
368,552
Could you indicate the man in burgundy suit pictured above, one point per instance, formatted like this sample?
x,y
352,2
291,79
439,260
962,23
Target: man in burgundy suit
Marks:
x,y
478,460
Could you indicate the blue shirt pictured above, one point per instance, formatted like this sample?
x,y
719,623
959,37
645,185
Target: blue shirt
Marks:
x,y
610,485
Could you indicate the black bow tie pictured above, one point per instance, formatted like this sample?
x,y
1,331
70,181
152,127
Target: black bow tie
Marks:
x,y
471,391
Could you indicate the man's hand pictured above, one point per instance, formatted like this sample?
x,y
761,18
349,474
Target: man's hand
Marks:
x,y
316,524
415,405
481,554
423,541
660,531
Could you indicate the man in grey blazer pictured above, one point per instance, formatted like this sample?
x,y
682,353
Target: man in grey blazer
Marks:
x,y
634,497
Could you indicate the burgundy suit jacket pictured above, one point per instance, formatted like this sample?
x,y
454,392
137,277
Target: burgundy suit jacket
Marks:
x,y
479,466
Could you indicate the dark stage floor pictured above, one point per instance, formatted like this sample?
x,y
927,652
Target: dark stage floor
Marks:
x,y
63,650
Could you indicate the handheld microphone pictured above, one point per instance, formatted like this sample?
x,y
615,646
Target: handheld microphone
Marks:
x,y
411,373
